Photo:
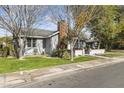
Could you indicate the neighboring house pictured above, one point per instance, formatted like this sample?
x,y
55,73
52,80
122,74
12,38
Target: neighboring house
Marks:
x,y
88,47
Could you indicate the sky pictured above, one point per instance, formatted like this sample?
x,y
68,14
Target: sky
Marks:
x,y
47,22
47,26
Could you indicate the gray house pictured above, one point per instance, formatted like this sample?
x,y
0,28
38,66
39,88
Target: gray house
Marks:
x,y
41,42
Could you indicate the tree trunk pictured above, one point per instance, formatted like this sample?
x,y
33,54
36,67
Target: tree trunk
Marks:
x,y
72,52
17,52
99,45
108,46
24,45
16,47
78,42
21,48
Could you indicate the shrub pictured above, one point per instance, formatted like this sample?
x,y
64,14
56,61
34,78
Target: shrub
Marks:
x,y
53,53
66,55
58,53
5,52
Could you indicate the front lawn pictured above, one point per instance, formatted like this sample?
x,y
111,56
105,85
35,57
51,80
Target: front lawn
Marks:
x,y
113,54
12,64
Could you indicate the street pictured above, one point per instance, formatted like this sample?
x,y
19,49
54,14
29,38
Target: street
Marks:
x,y
102,77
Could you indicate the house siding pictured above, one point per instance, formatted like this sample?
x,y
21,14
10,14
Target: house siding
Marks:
x,y
39,46
48,46
35,50
28,50
54,42
51,44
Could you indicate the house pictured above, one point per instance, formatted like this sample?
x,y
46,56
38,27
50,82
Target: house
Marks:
x,y
88,47
41,41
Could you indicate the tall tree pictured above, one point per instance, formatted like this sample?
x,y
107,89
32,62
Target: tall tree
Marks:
x,y
119,39
77,17
106,26
18,19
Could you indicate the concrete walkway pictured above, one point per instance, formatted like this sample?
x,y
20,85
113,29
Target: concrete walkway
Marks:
x,y
22,77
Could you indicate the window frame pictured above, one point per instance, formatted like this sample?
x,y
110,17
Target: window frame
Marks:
x,y
31,43
34,43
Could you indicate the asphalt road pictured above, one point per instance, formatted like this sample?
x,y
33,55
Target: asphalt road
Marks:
x,y
111,76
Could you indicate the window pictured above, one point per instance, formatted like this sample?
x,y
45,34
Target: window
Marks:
x,y
44,43
29,42
34,42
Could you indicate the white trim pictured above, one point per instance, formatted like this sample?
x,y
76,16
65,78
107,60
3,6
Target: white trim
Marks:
x,y
54,34
42,36
34,36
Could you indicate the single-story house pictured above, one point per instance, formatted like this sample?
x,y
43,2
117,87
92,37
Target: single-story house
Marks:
x,y
41,41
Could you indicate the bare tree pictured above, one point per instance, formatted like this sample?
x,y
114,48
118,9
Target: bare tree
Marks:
x,y
81,16
20,19
77,17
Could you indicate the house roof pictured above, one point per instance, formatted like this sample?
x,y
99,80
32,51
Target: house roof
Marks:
x,y
40,33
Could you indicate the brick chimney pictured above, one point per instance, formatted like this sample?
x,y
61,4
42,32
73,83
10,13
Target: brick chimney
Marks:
x,y
63,29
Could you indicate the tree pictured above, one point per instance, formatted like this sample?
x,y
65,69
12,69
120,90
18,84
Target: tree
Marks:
x,y
5,46
20,19
77,17
119,39
106,25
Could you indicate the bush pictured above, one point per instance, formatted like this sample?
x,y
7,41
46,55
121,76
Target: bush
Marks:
x,y
55,53
66,55
58,53
5,51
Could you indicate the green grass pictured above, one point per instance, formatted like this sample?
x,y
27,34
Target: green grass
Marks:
x,y
84,58
12,64
113,54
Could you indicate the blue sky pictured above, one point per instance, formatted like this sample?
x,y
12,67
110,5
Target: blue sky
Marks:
x,y
48,26
47,23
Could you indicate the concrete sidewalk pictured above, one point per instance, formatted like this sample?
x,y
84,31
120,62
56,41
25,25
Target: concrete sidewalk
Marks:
x,y
22,77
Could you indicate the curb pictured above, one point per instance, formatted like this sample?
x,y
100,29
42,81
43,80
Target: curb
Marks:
x,y
57,70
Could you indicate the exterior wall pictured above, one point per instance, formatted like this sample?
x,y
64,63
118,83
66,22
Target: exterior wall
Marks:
x,y
28,50
39,46
54,42
97,51
48,46
51,44
80,52
92,52
35,50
